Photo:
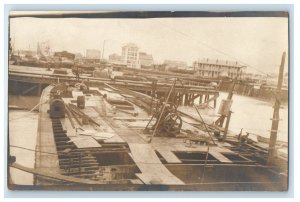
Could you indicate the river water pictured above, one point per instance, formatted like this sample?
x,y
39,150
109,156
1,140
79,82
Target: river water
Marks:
x,y
254,116
248,113
22,133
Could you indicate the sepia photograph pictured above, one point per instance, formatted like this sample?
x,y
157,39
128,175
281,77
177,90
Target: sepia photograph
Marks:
x,y
148,101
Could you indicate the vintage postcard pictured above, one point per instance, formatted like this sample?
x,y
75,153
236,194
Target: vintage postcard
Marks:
x,y
168,101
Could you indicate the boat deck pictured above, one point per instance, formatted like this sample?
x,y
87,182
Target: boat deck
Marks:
x,y
120,127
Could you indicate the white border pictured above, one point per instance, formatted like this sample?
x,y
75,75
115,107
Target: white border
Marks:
x,y
294,77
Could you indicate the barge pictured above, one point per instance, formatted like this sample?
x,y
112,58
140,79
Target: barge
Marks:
x,y
103,138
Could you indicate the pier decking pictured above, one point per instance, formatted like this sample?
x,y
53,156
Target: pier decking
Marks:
x,y
185,95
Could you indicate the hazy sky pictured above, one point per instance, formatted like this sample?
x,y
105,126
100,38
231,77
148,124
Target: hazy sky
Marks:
x,y
258,42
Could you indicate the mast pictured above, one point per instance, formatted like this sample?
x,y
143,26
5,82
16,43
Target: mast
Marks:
x,y
275,119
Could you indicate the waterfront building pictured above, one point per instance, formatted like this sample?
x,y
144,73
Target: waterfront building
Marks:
x,y
64,56
130,55
214,68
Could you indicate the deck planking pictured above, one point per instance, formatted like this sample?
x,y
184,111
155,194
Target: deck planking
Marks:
x,y
153,171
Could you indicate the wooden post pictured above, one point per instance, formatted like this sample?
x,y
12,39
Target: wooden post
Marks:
x,y
226,125
206,97
185,99
215,102
221,119
207,100
191,99
178,99
275,120
39,89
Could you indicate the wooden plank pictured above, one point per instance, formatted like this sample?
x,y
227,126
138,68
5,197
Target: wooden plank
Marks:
x,y
108,89
137,124
220,157
131,118
66,124
168,155
127,96
130,136
103,135
86,142
153,171
122,106
144,153
115,139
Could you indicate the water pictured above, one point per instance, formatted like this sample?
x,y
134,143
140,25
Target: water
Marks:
x,y
24,102
254,116
22,132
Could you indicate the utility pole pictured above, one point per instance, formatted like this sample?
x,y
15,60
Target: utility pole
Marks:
x,y
226,106
275,119
103,49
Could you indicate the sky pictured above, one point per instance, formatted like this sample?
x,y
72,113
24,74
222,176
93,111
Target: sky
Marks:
x,y
257,43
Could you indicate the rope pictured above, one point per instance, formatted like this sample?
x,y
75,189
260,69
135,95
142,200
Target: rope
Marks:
x,y
27,112
32,150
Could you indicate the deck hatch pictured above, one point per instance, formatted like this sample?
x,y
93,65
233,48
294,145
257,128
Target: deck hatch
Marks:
x,y
195,157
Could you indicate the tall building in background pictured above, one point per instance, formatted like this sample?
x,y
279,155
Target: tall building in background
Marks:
x,y
215,68
130,55
43,49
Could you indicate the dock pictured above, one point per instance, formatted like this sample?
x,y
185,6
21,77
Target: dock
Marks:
x,y
183,94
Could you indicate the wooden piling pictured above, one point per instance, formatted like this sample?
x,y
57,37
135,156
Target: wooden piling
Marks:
x,y
215,103
39,89
275,119
226,125
201,99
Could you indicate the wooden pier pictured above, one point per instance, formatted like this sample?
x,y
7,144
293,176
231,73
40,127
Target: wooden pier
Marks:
x,y
183,94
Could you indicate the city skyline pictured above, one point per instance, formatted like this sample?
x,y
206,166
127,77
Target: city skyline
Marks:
x,y
257,42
